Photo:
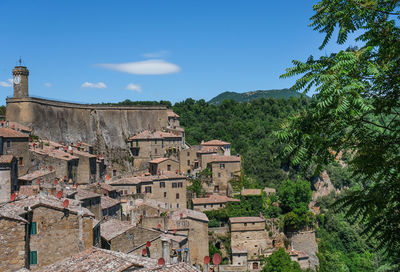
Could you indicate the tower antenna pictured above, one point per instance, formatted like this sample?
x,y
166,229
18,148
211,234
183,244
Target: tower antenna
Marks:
x,y
20,61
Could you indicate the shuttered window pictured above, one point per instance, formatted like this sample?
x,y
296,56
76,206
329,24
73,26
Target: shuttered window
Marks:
x,y
33,257
33,228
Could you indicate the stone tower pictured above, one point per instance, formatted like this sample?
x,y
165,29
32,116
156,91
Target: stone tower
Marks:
x,y
20,81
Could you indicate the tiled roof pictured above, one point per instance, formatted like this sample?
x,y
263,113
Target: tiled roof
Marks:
x,y
213,199
170,113
158,160
6,159
28,190
85,194
150,203
46,200
100,260
250,219
113,228
246,192
153,135
11,133
12,212
178,267
83,154
215,143
137,180
237,250
208,149
186,213
107,187
18,126
108,202
52,152
216,158
35,174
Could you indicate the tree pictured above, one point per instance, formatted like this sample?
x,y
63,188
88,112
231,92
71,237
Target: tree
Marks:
x,y
356,110
280,261
293,195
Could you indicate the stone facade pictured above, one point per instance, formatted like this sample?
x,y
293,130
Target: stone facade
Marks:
x,y
87,167
8,177
161,165
12,244
224,168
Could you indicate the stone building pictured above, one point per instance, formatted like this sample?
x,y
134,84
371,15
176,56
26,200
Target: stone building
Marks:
x,y
249,236
213,202
110,207
46,176
149,145
226,147
224,168
16,143
117,235
87,167
91,201
169,188
53,231
160,165
188,160
8,177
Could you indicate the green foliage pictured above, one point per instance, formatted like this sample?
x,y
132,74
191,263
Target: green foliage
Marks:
x,y
248,96
128,102
248,127
221,216
280,261
212,249
356,109
196,188
294,195
248,206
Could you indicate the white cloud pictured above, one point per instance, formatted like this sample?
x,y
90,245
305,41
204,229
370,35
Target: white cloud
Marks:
x,y
159,54
7,83
48,84
134,87
98,85
147,67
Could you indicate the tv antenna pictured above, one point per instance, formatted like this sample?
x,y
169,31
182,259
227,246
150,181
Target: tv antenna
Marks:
x,y
20,61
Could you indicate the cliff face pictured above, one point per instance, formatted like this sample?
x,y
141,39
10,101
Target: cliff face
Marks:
x,y
105,127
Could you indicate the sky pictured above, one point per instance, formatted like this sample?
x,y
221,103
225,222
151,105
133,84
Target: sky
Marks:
x,y
109,51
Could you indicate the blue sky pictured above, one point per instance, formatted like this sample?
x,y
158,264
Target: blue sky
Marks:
x,y
109,51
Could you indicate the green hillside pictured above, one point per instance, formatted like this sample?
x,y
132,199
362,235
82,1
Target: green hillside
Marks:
x,y
248,96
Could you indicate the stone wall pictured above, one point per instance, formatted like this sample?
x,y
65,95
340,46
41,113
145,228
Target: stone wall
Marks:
x,y
58,236
255,242
107,128
12,244
305,241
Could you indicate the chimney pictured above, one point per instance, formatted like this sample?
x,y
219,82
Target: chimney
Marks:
x,y
165,251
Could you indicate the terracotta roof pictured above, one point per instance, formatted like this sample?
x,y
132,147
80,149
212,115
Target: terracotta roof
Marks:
x,y
108,202
178,267
153,135
159,160
83,153
186,213
113,228
170,113
11,133
52,152
246,192
208,149
107,187
216,158
137,180
100,260
49,201
85,194
11,212
18,126
35,174
215,143
246,219
213,199
6,159
150,203
28,190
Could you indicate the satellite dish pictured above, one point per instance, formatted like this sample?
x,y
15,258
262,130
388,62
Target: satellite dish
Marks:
x,y
51,167
159,226
148,244
13,196
59,194
161,261
206,260
38,181
181,215
216,259
56,182
66,203
175,230
144,252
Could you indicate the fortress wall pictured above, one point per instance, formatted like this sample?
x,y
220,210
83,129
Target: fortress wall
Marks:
x,y
105,127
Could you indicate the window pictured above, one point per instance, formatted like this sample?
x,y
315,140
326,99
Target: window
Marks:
x,y
155,141
255,265
155,151
125,192
114,172
245,224
231,175
8,143
220,205
188,162
188,154
162,184
177,196
219,175
177,205
21,161
174,185
33,228
205,206
165,194
180,184
131,203
147,189
216,189
138,190
137,143
169,167
135,151
222,165
212,205
33,257
130,236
